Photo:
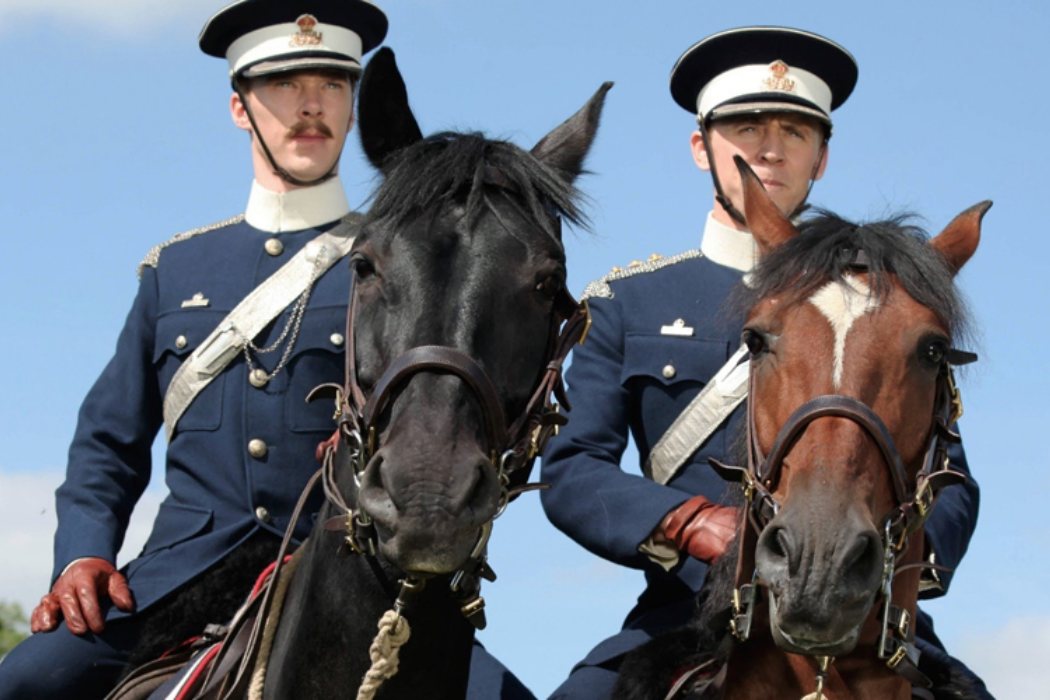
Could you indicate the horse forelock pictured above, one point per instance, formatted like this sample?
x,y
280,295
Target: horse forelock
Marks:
x,y
895,251
455,206
449,168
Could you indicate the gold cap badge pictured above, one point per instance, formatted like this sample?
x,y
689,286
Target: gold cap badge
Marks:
x,y
306,36
778,79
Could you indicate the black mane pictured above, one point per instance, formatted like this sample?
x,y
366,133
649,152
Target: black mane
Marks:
x,y
448,168
826,250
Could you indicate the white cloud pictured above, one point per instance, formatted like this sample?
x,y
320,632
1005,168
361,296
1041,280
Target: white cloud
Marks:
x,y
27,526
114,17
1012,659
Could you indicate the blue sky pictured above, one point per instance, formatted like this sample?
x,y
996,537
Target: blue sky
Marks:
x,y
116,135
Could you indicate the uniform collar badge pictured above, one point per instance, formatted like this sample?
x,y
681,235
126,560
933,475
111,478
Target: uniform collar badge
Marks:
x,y
197,301
678,328
306,36
778,79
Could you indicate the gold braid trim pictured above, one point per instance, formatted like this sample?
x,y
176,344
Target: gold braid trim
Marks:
x,y
153,256
600,288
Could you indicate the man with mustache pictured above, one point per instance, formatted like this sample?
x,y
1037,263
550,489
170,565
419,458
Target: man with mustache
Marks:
x,y
226,379
661,334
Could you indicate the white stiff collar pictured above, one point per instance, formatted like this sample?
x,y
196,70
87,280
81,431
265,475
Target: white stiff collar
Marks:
x,y
306,207
728,246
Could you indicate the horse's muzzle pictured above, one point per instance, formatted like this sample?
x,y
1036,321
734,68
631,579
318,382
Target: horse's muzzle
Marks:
x,y
822,581
428,516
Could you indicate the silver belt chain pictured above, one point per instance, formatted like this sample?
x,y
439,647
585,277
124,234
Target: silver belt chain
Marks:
x,y
257,376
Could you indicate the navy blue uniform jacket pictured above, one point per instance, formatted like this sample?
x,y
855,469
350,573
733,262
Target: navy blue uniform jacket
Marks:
x,y
619,383
219,493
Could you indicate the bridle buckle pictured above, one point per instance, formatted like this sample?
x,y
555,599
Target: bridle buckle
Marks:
x,y
924,498
743,611
897,657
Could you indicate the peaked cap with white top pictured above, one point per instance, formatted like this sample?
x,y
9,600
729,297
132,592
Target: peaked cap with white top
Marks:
x,y
763,69
261,37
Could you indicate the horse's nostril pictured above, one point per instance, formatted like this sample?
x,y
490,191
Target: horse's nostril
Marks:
x,y
481,496
776,556
374,474
862,562
375,481
780,544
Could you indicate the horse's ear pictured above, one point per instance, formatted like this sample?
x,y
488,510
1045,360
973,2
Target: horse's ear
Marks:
x,y
767,224
384,117
958,241
566,146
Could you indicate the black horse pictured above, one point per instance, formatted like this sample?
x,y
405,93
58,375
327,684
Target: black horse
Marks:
x,y
458,296
453,353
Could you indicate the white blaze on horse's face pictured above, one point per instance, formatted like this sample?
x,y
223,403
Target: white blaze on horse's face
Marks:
x,y
842,303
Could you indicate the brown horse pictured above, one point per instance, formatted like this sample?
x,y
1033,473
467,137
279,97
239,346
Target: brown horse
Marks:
x,y
850,407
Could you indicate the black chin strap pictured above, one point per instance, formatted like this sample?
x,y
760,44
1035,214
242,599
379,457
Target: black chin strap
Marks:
x,y
720,196
802,206
277,169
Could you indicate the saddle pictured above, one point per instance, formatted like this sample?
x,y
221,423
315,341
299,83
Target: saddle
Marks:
x,y
203,667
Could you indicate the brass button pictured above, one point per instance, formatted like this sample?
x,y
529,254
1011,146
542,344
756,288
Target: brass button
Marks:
x,y
337,339
258,378
669,371
274,247
262,514
257,448
180,342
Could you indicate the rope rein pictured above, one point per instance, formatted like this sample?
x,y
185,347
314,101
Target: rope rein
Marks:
x,y
255,689
394,632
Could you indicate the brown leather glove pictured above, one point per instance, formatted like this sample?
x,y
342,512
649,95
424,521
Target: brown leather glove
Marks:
x,y
75,596
700,528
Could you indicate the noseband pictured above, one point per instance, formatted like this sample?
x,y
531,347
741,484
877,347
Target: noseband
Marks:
x,y
511,449
913,498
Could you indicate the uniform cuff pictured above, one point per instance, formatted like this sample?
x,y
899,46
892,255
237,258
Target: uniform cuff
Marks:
x,y
660,553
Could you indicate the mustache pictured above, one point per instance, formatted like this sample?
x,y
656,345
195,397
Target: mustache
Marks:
x,y
302,127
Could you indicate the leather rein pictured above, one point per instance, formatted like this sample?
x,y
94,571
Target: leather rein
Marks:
x,y
914,501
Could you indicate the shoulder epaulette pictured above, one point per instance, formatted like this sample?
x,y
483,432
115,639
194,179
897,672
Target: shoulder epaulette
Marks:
x,y
600,288
153,256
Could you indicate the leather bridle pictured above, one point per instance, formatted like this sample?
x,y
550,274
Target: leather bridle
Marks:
x,y
511,449
914,499
512,452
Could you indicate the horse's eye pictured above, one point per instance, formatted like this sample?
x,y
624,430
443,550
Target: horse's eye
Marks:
x,y
755,342
933,352
362,266
550,286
